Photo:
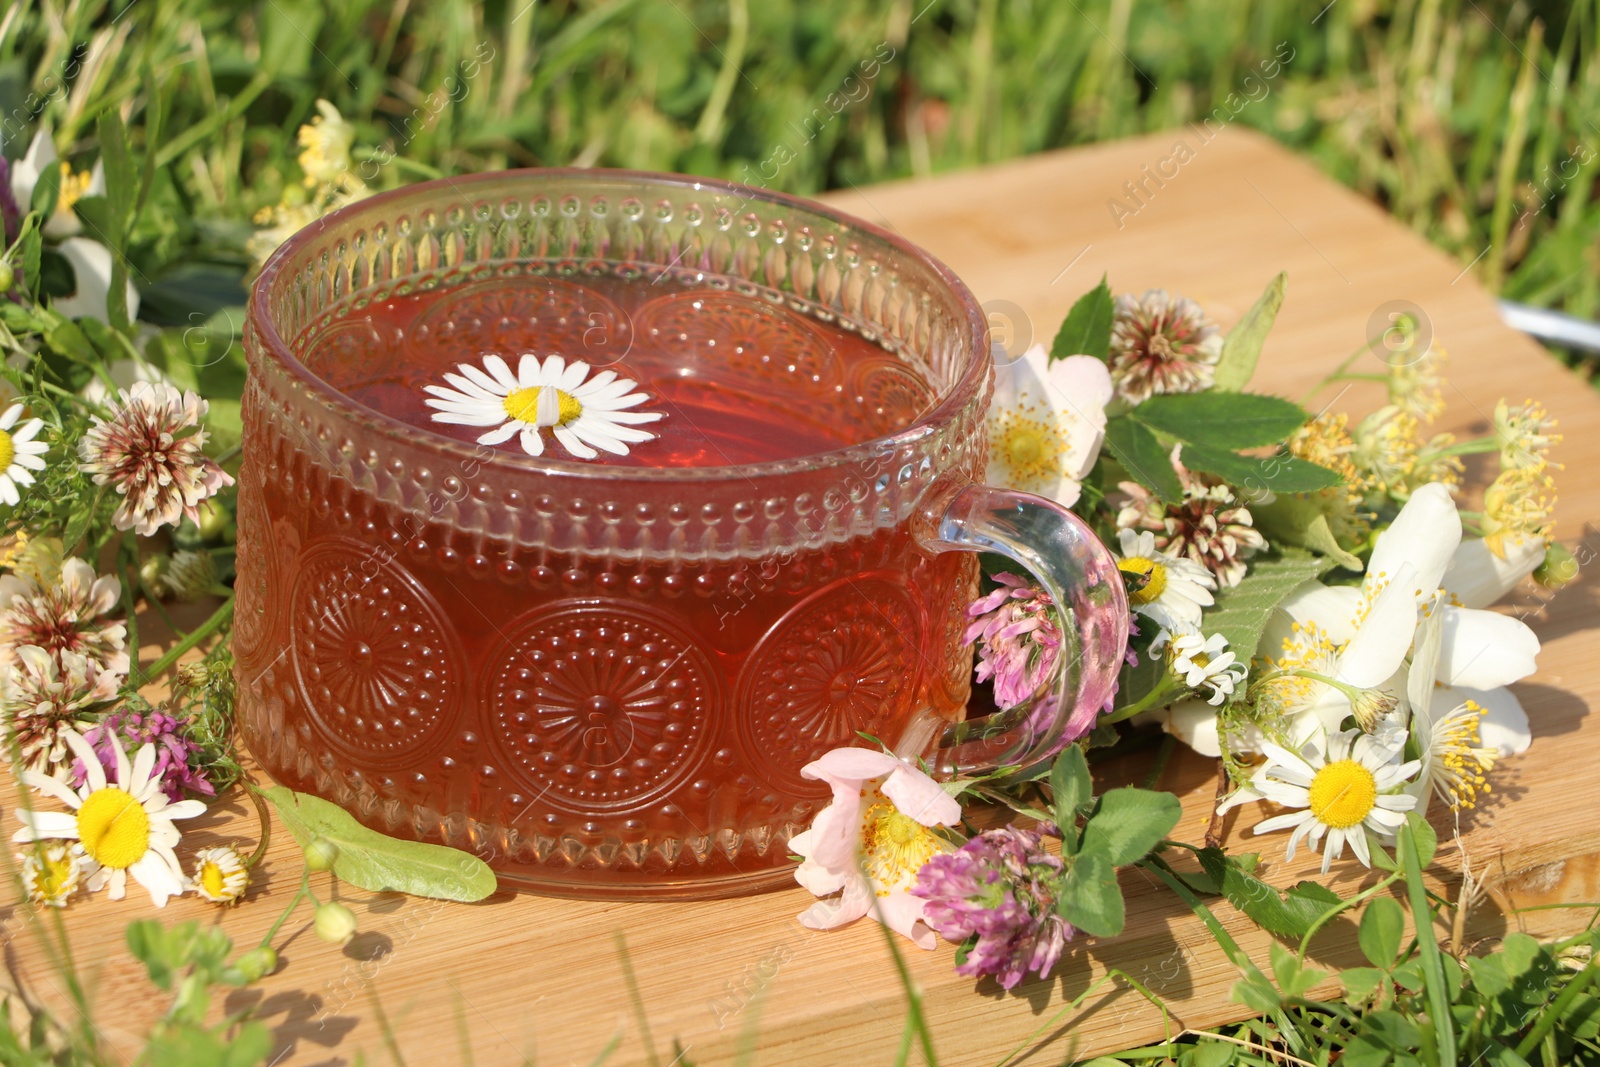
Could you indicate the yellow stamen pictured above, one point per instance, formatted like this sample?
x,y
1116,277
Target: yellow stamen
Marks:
x,y
1029,443
523,405
212,878
8,450
113,827
1343,794
73,188
1152,575
895,846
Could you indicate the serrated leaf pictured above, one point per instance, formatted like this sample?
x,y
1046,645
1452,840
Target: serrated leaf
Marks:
x,y
1278,473
1145,459
373,861
1241,613
1129,822
1286,915
1241,349
1383,923
1222,420
1070,788
1086,330
1091,900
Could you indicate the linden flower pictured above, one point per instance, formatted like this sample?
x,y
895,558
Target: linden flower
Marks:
x,y
220,874
1417,387
1343,793
51,874
1166,589
1524,434
1161,343
1517,507
870,842
325,146
19,453
67,615
124,828
1205,663
581,411
1046,423
1386,447
151,451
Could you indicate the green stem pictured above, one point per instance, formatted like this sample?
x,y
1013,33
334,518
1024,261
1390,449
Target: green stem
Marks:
x,y
294,902
1328,916
1153,699
1461,448
1428,948
1337,371
201,130
198,634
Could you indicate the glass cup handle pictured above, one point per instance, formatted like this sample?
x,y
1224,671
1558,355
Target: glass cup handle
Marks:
x,y
1081,576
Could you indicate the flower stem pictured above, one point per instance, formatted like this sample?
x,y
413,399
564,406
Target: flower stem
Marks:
x,y
1153,699
217,620
266,826
294,902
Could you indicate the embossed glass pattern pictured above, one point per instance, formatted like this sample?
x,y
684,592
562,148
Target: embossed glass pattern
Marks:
x,y
606,678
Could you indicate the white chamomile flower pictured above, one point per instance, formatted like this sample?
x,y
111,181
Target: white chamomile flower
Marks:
x,y
220,874
19,453
1169,591
1342,792
585,413
51,874
124,827
1205,663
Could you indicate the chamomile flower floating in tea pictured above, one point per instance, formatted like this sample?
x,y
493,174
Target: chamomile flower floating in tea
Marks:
x,y
584,412
125,827
19,453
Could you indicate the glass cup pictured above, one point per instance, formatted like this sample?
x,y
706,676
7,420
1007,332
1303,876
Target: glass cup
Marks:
x,y
606,680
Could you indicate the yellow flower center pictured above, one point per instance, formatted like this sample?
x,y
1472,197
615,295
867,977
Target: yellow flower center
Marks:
x,y
8,451
54,875
114,828
1343,794
523,405
73,188
1152,578
895,846
212,878
1029,445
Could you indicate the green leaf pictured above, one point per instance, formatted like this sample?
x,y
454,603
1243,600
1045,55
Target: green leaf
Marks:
x,y
121,179
1241,349
1427,841
1222,420
372,861
1360,983
1212,1053
1145,459
1091,900
188,1045
1129,822
1383,923
1070,786
1087,329
1286,915
1241,613
1300,521
1278,473
1293,978
45,192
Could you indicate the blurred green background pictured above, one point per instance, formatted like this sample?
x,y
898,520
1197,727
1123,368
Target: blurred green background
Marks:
x,y
1474,123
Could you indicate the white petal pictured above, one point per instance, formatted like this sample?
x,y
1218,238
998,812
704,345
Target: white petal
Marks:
x,y
46,824
91,266
456,418
1333,608
573,376
144,761
25,172
501,434
570,441
550,373
532,441
917,795
182,809
8,491
1384,636
500,372
1504,726
850,765
1425,535
596,435
118,882
95,773
1484,650
481,380
9,419
528,372
1479,578
1193,722
152,872
52,787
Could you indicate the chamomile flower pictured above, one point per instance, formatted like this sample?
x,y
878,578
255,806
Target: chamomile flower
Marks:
x,y
124,826
1165,589
51,875
19,453
1341,792
1205,663
220,874
584,412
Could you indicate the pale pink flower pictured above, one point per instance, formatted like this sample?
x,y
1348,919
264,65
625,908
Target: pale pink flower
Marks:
x,y
41,694
66,616
1020,639
151,452
869,843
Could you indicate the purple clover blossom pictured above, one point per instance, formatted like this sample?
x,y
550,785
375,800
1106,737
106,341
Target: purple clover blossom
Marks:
x,y
1021,639
174,753
1000,887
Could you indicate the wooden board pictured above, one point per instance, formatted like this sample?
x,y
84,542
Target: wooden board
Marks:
x,y
529,976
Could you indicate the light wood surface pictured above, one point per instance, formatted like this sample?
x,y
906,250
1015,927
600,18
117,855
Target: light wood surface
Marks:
x,y
525,976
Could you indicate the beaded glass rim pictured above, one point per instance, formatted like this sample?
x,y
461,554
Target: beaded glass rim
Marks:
x,y
297,254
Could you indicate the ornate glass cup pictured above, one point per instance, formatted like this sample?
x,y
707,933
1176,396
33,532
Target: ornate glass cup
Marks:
x,y
606,679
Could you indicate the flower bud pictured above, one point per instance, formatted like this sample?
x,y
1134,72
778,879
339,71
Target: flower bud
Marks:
x,y
335,923
214,520
189,576
153,572
7,276
321,854
1560,567
257,963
